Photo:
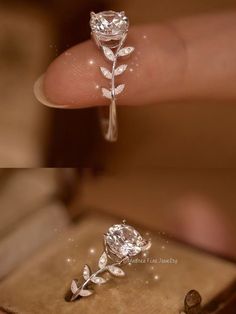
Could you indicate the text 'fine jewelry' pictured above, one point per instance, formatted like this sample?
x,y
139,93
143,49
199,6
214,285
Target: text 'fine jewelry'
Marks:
x,y
109,31
120,243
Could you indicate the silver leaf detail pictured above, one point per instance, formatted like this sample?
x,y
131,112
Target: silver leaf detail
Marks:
x,y
86,272
106,93
147,245
125,51
120,69
106,73
119,89
108,53
74,286
98,280
102,260
85,293
116,271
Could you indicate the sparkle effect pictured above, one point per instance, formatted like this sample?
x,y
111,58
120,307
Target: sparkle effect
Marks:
x,y
92,251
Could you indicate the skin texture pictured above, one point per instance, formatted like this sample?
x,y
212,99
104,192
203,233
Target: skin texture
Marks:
x,y
186,59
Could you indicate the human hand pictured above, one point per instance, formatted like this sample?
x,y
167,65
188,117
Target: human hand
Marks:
x,y
186,59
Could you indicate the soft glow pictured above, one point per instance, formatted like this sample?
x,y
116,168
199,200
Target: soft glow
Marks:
x,y
91,62
92,251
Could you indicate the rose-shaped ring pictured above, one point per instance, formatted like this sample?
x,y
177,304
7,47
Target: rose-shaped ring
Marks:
x,y
120,243
109,30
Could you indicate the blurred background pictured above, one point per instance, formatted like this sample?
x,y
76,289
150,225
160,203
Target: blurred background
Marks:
x,y
193,206
174,170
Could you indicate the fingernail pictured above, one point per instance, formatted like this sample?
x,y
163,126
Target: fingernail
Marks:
x,y
40,95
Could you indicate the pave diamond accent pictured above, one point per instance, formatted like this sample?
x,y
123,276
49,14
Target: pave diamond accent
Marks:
x,y
108,53
121,69
98,280
116,271
125,51
106,73
106,93
123,240
86,272
102,261
119,89
74,287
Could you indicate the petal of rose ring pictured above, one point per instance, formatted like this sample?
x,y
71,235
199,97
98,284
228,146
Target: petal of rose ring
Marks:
x,y
109,31
120,243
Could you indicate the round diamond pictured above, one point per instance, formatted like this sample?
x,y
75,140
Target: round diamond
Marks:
x,y
109,24
123,240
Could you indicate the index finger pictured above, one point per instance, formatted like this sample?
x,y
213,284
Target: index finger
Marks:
x,y
172,61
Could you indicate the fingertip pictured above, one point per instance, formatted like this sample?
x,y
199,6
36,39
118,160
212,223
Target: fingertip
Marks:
x,y
72,79
40,94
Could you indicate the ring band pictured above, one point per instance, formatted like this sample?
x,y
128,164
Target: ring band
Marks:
x,y
109,30
120,243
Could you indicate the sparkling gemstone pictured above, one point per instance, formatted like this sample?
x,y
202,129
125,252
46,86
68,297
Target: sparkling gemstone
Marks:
x,y
123,240
109,24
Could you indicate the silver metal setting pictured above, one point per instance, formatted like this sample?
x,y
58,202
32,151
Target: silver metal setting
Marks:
x,y
109,30
120,243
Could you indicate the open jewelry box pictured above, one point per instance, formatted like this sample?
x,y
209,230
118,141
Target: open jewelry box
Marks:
x,y
50,243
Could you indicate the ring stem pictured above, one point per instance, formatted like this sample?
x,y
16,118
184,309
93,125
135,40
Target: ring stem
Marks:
x,y
99,271
112,132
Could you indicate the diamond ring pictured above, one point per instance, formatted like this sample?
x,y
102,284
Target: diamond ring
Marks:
x,y
121,242
109,30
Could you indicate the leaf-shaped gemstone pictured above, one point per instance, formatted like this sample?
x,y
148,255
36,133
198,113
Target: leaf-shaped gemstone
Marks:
x,y
106,93
108,53
125,51
98,280
102,260
74,286
86,272
106,73
85,293
119,89
116,271
120,69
